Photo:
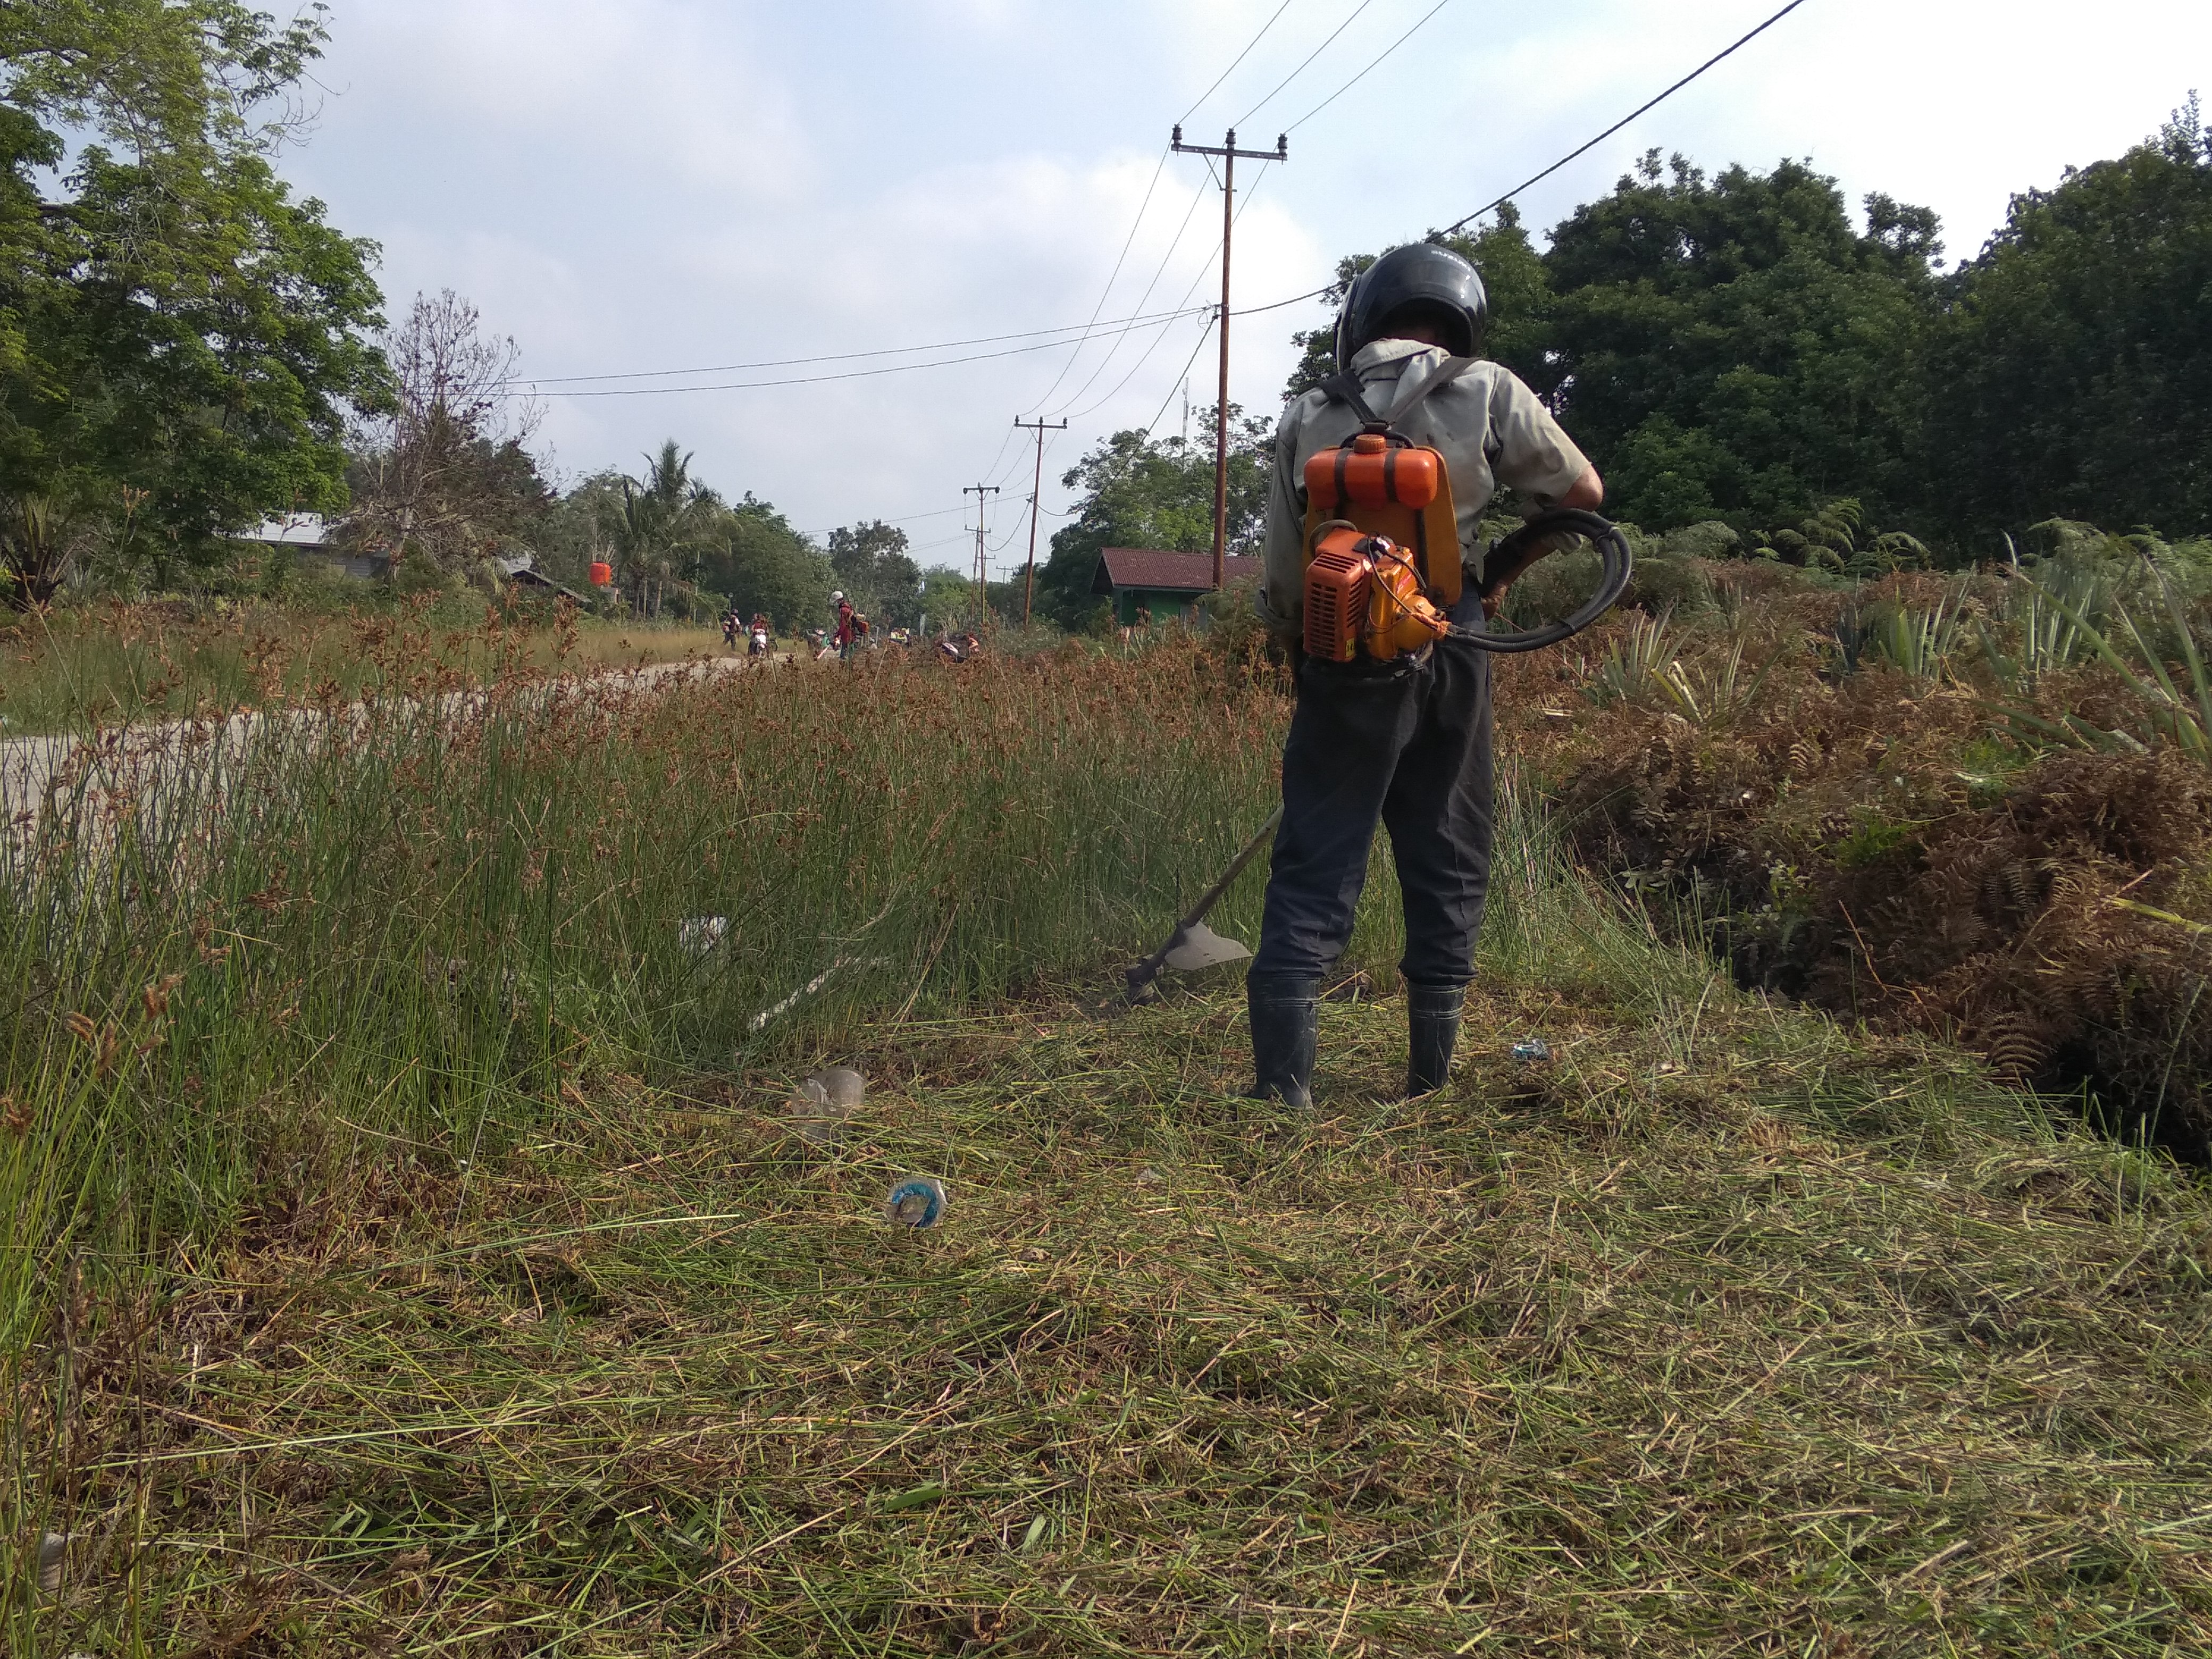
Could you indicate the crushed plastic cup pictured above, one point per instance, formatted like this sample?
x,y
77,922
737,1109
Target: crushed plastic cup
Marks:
x,y
1531,1050
916,1203
820,1105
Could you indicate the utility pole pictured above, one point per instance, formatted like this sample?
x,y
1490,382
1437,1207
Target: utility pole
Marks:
x,y
1040,427
1228,152
982,493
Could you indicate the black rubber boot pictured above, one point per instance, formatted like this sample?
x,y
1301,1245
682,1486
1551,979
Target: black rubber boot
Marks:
x,y
1283,1021
1432,1014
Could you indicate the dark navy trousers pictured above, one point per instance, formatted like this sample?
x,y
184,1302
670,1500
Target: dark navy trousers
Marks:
x,y
1408,744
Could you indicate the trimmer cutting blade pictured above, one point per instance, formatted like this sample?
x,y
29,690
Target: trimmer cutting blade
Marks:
x,y
1192,944
1199,946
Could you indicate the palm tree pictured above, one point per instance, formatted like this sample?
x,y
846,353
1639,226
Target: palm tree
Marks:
x,y
663,515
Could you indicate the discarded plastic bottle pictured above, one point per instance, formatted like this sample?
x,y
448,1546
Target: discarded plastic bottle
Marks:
x,y
916,1203
824,1102
1529,1050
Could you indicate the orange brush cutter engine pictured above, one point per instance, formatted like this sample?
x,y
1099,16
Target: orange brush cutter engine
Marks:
x,y
1382,557
1363,594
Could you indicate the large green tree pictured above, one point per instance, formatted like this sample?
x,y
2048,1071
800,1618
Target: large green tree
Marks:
x,y
182,343
1727,348
1140,491
1735,347
2073,376
762,563
872,564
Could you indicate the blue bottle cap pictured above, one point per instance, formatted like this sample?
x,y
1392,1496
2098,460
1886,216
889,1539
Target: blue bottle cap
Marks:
x,y
915,1202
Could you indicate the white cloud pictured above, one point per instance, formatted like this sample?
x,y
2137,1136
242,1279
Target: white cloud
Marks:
x,y
645,183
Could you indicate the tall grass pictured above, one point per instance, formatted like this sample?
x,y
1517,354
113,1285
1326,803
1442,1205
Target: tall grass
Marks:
x,y
65,670
400,925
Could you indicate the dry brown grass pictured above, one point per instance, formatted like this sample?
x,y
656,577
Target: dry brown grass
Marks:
x,y
168,660
1869,840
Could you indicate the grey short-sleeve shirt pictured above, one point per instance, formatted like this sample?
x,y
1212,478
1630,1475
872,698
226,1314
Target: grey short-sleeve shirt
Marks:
x,y
1489,427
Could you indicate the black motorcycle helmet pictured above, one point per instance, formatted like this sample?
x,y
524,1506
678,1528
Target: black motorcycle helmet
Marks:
x,y
1421,277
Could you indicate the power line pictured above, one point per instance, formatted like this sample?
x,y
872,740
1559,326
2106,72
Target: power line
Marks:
x,y
1277,304
1128,242
1362,74
1166,259
816,379
1239,59
837,357
1135,367
911,518
1310,57
1160,413
1187,293
1457,224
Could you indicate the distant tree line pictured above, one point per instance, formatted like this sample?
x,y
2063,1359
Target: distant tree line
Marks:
x,y
186,351
1736,350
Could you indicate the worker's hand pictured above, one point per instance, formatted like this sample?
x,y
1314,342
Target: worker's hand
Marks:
x,y
1509,560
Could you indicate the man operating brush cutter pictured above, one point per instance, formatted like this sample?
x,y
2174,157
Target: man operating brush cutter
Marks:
x,y
1380,480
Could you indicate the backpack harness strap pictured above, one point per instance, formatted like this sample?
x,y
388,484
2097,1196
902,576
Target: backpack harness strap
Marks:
x,y
1346,388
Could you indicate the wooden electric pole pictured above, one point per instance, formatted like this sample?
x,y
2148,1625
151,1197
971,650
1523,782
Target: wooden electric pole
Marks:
x,y
1228,152
982,493
1036,494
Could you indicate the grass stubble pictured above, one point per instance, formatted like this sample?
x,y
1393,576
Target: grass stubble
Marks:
x,y
1726,1330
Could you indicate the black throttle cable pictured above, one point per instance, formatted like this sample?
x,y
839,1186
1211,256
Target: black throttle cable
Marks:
x,y
1513,555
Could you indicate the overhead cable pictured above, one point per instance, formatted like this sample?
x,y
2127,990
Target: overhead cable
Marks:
x,y
1249,195
1130,241
1239,59
1112,276
837,357
1166,259
1362,74
1309,58
1277,304
817,379
1458,224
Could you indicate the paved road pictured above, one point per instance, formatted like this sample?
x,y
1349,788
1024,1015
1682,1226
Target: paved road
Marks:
x,y
35,771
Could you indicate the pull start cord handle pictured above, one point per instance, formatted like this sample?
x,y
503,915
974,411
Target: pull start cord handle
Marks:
x,y
1515,554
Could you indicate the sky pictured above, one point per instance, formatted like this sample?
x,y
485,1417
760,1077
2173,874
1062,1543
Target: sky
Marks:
x,y
633,186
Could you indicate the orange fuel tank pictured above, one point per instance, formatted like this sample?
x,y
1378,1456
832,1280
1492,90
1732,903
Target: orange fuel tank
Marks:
x,y
1390,488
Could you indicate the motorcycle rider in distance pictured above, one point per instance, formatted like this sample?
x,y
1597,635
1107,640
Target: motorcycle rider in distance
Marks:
x,y
1404,742
842,638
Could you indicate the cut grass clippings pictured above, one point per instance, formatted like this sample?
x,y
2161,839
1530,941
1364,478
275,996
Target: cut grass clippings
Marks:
x,y
1722,1333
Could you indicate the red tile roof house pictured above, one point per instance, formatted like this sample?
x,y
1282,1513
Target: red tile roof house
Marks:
x,y
1165,585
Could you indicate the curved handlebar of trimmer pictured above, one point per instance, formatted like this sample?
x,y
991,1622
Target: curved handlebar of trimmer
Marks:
x,y
1516,553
